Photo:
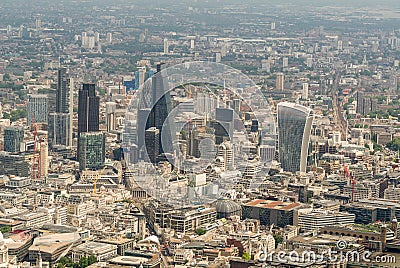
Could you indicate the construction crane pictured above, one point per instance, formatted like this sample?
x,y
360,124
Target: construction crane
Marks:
x,y
36,157
353,183
97,178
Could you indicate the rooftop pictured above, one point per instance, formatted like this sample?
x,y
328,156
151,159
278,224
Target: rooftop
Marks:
x,y
261,203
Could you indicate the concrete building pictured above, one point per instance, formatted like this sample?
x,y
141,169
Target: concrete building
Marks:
x,y
318,219
37,109
270,212
101,251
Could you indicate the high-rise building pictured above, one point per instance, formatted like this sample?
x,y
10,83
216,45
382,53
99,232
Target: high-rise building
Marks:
x,y
64,97
280,81
60,129
161,103
91,150
44,159
305,91
60,122
37,109
152,139
110,116
294,127
166,46
285,62
13,137
224,124
88,109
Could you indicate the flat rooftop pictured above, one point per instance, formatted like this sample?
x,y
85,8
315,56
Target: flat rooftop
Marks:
x,y
270,204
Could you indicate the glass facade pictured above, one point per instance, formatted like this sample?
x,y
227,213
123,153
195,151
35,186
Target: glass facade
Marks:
x,y
294,126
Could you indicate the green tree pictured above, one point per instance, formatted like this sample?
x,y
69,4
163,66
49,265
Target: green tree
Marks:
x,y
278,239
5,229
246,256
394,145
83,262
92,259
200,231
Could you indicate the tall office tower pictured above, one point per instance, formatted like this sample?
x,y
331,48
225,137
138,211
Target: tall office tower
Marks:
x,y
273,25
88,109
305,91
161,103
140,77
38,24
225,152
224,125
60,121
340,45
111,107
166,46
204,104
84,39
142,124
44,158
285,62
218,57
60,129
109,38
152,138
64,97
294,127
13,137
280,81
192,44
236,105
37,109
91,150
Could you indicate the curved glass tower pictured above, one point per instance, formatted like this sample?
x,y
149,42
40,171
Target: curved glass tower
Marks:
x,y
294,127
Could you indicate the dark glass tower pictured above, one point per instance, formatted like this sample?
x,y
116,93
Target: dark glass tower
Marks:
x,y
60,121
63,92
88,109
161,107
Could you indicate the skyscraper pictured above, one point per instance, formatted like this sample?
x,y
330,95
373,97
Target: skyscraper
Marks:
x,y
88,109
152,139
44,158
223,125
91,150
64,97
110,116
37,109
280,81
60,129
294,127
88,121
60,122
161,107
13,137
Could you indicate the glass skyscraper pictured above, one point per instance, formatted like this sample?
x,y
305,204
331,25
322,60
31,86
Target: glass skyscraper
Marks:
x,y
91,150
13,137
294,128
60,122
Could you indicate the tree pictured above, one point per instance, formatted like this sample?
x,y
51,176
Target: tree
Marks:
x,y
246,256
5,229
200,231
394,145
278,239
92,259
83,262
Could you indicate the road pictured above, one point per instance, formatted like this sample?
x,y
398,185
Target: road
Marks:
x,y
339,119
